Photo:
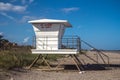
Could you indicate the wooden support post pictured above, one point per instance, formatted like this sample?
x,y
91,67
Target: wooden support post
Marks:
x,y
79,62
75,63
34,61
44,60
74,59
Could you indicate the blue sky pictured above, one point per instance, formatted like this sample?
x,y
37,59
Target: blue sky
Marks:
x,y
95,21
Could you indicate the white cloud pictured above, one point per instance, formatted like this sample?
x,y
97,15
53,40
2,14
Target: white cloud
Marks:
x,y
24,19
67,10
19,8
6,15
1,33
30,1
11,7
27,18
26,40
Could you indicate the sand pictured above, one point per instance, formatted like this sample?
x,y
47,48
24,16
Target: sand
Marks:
x,y
113,73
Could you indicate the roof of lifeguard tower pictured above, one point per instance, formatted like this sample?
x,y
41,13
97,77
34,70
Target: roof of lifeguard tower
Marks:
x,y
65,22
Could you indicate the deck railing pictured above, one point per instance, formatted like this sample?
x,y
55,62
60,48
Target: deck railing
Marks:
x,y
67,42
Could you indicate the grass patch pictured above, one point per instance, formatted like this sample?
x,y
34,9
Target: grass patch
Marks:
x,y
18,58
21,58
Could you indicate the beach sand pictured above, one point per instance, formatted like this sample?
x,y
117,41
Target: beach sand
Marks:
x,y
113,73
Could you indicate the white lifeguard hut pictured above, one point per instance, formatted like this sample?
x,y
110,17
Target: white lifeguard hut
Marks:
x,y
49,39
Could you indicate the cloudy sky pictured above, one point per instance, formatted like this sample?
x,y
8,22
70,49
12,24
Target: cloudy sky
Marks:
x,y
95,21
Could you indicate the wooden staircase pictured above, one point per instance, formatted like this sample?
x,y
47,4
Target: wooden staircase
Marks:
x,y
95,59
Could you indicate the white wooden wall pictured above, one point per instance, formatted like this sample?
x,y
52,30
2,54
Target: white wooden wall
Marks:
x,y
48,38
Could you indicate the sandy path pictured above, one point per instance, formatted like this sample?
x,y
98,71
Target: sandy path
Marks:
x,y
68,75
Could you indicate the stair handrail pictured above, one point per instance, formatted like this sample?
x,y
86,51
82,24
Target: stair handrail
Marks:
x,y
98,52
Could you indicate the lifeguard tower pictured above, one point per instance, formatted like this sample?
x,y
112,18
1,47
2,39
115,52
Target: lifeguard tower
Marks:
x,y
49,39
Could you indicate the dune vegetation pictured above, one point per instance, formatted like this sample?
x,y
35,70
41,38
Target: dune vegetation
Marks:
x,y
13,55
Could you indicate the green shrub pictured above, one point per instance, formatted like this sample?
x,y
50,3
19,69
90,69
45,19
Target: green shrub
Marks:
x,y
21,58
7,60
10,59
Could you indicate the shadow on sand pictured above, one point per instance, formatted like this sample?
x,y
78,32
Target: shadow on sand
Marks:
x,y
93,67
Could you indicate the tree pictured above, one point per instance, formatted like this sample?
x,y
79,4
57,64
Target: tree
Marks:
x,y
3,43
1,36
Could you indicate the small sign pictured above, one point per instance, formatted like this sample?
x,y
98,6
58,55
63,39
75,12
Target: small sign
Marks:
x,y
46,25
